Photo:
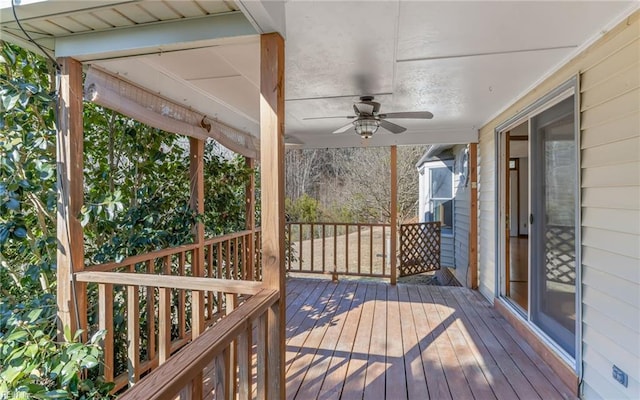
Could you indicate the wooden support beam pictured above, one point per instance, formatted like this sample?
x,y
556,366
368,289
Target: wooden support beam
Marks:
x,y
272,197
196,177
69,157
250,221
473,216
394,215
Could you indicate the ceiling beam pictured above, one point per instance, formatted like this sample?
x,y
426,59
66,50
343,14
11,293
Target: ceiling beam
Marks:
x,y
154,37
265,16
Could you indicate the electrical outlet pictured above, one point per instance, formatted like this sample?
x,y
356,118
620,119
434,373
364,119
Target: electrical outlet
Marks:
x,y
620,376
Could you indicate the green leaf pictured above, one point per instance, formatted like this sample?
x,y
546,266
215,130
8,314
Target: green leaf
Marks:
x,y
12,204
56,394
20,232
34,315
16,335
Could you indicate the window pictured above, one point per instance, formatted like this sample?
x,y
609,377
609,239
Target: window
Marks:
x,y
439,195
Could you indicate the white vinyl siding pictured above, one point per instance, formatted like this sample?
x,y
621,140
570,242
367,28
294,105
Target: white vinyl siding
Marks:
x,y
487,213
461,216
610,125
609,76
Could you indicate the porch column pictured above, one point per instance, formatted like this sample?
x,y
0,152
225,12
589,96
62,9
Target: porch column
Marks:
x,y
196,202
250,218
272,201
71,297
393,248
473,216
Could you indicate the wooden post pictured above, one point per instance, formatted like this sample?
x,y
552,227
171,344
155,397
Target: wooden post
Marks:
x,y
250,217
196,177
394,215
69,156
272,197
473,216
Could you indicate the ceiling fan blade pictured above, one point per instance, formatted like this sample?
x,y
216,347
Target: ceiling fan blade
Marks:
x,y
341,116
344,128
408,114
391,127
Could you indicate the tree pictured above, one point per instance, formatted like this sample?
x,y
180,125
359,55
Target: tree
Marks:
x,y
353,184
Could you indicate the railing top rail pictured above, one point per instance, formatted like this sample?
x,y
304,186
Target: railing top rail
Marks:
x,y
340,223
167,381
169,281
140,258
228,236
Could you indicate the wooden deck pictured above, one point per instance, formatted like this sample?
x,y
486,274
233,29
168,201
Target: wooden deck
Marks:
x,y
355,340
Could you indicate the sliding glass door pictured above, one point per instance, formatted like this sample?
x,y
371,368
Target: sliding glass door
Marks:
x,y
553,222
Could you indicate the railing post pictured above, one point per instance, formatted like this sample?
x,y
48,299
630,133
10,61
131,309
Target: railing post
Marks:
x,y
272,167
473,216
196,175
72,302
394,215
250,217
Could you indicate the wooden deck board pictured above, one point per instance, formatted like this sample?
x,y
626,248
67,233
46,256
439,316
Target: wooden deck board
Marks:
x,y
368,340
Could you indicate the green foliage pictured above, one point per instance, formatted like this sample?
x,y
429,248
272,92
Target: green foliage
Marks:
x,y
224,192
27,173
303,209
32,365
136,200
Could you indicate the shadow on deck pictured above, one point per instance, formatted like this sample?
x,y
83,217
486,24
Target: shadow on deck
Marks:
x,y
376,341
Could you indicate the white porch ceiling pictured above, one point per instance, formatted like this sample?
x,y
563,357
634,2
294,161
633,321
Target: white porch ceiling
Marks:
x,y
463,61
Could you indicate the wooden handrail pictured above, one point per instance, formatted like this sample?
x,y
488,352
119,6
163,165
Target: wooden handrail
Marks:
x,y
229,236
140,258
169,378
170,282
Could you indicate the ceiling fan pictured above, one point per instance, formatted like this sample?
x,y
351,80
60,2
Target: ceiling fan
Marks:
x,y
368,118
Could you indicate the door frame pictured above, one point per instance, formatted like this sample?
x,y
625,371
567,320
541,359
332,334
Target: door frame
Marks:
x,y
560,93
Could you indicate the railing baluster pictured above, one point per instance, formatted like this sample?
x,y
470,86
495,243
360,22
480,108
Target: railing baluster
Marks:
x,y
335,247
219,273
244,363
235,263
311,244
164,324
324,236
105,321
227,259
371,255
300,246
220,390
346,248
261,349
209,294
359,249
182,295
384,249
232,300
133,332
151,317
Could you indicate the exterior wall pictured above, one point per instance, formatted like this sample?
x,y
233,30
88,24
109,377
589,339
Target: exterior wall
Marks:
x,y
461,215
609,73
454,246
487,234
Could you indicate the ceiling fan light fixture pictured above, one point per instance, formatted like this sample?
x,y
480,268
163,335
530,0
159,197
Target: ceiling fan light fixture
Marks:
x,y
366,127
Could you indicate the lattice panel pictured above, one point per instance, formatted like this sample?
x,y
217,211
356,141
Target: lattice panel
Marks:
x,y
560,254
419,248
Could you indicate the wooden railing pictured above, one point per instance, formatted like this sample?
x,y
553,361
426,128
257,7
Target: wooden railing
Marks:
x,y
339,248
230,338
152,298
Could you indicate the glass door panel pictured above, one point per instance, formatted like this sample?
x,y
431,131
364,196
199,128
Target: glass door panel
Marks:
x,y
554,182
